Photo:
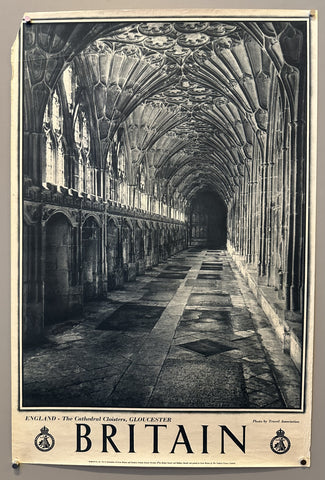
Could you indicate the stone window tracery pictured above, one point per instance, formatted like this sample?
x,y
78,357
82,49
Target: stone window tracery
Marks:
x,y
54,144
69,83
82,143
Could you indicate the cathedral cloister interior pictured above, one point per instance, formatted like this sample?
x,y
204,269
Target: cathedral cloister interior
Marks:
x,y
164,205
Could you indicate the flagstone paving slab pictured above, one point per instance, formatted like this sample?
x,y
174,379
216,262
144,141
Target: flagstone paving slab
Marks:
x,y
189,334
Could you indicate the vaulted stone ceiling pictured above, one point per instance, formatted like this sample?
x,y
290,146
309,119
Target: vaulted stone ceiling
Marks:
x,y
190,96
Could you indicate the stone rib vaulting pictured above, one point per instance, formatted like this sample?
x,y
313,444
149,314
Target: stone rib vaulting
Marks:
x,y
163,163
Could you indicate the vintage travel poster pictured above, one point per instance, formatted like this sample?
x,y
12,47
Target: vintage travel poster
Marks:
x,y
163,238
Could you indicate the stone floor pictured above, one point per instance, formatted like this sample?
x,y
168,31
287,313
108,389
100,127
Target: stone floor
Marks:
x,y
188,334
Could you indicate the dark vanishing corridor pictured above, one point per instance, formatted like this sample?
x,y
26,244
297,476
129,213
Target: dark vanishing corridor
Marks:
x,y
188,334
208,221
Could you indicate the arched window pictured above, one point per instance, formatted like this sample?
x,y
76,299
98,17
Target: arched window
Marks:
x,y
69,82
82,143
54,171
49,175
66,123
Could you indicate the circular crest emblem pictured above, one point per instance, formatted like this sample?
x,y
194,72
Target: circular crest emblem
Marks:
x,y
44,441
280,444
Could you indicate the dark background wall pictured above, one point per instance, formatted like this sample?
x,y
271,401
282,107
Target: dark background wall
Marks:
x,y
12,12
208,220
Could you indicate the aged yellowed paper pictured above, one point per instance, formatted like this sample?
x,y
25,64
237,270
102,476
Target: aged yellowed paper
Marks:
x,y
163,236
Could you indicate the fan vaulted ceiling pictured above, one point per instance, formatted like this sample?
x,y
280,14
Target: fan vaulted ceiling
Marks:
x,y
190,96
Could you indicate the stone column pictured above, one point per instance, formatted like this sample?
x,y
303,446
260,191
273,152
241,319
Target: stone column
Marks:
x,y
262,250
293,232
71,173
270,219
34,158
33,286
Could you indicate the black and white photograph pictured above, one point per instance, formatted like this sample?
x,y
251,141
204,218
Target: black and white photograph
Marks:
x,y
164,230
163,237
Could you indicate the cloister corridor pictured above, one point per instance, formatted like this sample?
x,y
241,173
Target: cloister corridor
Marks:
x,y
187,334
164,203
